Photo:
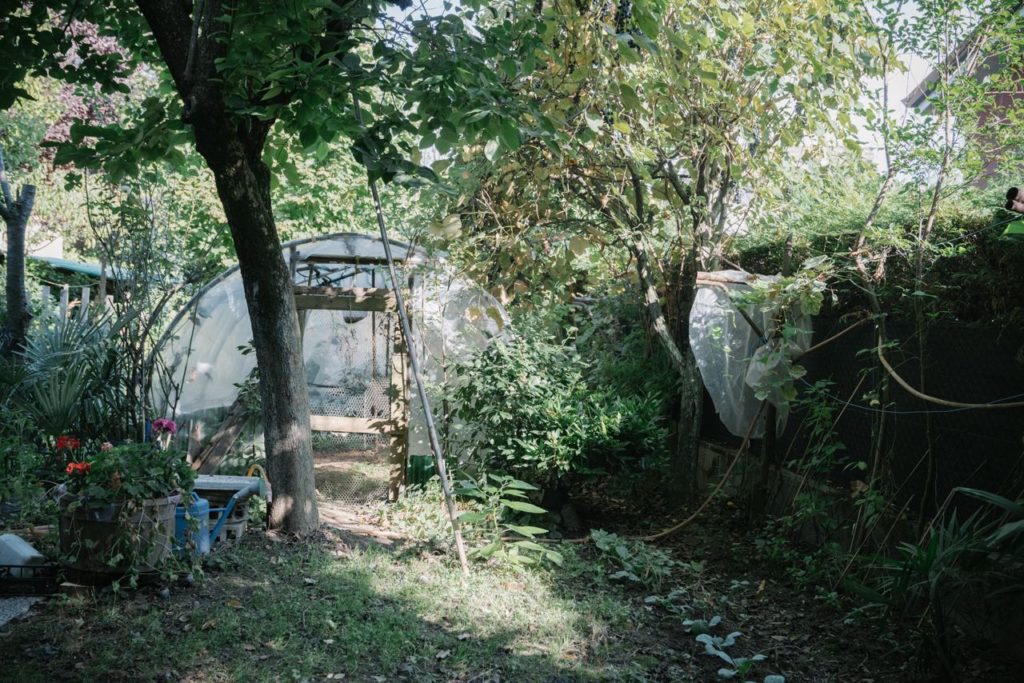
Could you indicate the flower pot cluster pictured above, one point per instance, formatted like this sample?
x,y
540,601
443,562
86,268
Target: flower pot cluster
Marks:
x,y
117,515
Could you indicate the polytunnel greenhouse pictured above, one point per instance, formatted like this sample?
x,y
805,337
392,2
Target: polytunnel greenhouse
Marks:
x,y
367,423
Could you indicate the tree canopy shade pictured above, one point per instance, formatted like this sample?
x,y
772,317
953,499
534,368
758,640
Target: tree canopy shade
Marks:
x,y
656,119
248,82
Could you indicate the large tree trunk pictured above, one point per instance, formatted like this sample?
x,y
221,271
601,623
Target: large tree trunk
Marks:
x,y
232,145
243,184
15,213
676,343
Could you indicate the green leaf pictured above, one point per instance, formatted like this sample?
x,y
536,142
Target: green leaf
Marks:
x,y
488,549
521,485
629,97
509,67
646,22
509,134
529,545
308,136
471,517
530,531
523,507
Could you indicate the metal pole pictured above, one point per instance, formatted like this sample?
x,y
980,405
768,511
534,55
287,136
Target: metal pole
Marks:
x,y
410,343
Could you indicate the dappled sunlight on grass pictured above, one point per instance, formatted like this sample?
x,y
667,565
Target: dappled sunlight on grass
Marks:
x,y
278,610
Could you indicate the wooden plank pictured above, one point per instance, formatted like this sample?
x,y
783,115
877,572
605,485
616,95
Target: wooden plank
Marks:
x,y
347,260
351,425
208,460
344,299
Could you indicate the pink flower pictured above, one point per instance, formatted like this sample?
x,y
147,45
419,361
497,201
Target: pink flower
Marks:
x,y
162,425
106,446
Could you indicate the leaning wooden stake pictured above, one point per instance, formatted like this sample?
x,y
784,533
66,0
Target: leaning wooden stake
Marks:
x,y
435,443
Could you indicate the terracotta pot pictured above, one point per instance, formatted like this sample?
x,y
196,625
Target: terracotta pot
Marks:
x,y
92,538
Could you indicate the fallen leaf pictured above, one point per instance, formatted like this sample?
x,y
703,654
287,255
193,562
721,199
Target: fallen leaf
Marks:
x,y
443,654
463,636
248,647
328,641
309,582
235,603
209,624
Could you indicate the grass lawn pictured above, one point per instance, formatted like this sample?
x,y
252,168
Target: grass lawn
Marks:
x,y
343,607
326,609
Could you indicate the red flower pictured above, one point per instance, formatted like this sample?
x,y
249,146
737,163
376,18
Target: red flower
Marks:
x,y
78,468
67,442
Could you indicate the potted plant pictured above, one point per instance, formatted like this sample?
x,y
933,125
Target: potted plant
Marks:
x,y
118,514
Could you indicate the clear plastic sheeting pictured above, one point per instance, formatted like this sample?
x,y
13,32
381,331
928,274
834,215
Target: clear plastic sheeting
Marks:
x,y
205,356
732,358
453,318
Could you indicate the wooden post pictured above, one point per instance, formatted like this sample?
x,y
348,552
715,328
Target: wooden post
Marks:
x,y
45,303
83,309
399,391
101,294
65,293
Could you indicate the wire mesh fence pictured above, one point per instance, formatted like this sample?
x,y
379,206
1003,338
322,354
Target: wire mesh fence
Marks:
x,y
351,468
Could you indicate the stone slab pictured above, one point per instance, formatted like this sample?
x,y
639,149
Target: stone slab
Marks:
x,y
14,608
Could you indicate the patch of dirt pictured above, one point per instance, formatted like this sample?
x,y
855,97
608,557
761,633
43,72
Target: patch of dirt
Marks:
x,y
355,525
804,636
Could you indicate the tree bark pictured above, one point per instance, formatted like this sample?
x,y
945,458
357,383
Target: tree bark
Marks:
x,y
691,387
232,145
15,213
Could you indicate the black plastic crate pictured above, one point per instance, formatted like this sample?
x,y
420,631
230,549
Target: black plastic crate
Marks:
x,y
36,579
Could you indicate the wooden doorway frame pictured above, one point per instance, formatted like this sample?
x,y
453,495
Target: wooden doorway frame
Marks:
x,y
371,300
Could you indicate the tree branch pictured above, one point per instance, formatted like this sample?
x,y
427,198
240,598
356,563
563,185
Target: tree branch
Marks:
x,y
172,28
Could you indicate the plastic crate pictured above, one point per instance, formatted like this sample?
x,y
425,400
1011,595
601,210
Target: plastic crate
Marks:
x,y
36,579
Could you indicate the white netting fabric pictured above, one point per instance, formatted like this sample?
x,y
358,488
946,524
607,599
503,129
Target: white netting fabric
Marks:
x,y
731,357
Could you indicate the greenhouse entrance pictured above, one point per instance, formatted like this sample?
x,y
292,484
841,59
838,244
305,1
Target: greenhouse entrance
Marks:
x,y
359,416
367,425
